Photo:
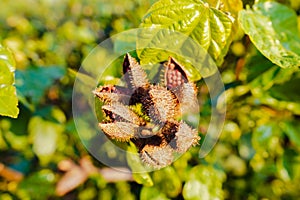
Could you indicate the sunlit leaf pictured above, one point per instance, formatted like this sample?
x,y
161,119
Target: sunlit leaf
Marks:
x,y
208,26
7,59
272,28
8,98
6,75
231,7
8,101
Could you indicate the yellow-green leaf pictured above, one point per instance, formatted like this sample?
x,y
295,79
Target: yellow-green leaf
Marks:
x,y
272,27
209,27
8,97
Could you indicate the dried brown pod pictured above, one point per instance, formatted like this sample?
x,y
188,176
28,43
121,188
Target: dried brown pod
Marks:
x,y
176,80
155,129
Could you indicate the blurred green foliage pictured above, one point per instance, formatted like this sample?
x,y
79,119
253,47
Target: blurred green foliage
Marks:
x,y
256,157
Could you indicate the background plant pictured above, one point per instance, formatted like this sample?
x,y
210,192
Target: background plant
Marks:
x,y
256,46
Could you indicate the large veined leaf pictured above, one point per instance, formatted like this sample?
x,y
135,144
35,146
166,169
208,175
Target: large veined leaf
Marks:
x,y
207,26
8,98
272,28
231,7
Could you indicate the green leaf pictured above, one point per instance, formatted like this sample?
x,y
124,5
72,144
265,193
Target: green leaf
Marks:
x,y
291,129
7,59
288,91
6,76
8,101
138,170
256,65
82,77
33,82
274,76
38,185
8,97
207,26
291,162
125,42
44,136
143,178
52,113
272,27
231,7
266,137
152,193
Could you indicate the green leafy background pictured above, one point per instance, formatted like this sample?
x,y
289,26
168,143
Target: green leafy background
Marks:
x,y
256,48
